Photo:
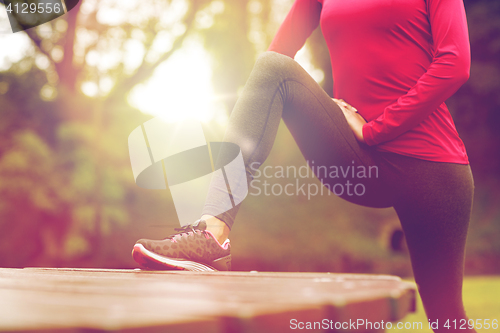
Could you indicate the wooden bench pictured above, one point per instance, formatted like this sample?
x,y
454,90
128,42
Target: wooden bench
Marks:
x,y
98,300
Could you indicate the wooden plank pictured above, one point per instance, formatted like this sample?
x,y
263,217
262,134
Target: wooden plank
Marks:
x,y
72,300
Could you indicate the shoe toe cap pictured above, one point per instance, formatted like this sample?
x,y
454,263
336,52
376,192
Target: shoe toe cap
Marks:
x,y
146,243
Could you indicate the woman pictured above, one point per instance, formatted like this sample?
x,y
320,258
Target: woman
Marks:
x,y
397,62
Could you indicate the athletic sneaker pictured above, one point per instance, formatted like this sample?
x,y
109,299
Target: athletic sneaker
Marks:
x,y
194,249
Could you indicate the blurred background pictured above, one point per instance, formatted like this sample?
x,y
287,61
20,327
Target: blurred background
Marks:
x,y
73,89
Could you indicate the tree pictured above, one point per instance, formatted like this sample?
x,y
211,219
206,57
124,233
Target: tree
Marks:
x,y
85,180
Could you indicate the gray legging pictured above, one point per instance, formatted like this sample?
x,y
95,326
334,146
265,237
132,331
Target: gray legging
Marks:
x,y
433,200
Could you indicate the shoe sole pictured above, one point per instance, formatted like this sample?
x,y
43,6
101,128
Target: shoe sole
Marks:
x,y
151,260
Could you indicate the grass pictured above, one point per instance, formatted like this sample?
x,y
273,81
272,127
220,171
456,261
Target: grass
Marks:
x,y
481,298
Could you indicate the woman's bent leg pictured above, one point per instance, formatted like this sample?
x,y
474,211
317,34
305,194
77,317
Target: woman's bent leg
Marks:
x,y
278,88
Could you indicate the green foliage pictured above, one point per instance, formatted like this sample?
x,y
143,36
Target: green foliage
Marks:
x,y
232,53
480,296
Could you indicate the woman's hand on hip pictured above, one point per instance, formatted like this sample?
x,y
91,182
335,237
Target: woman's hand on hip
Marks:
x,y
353,118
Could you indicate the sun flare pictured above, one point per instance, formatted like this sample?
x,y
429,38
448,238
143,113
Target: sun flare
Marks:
x,y
180,88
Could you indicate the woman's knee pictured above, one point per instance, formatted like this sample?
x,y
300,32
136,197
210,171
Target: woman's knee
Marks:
x,y
275,63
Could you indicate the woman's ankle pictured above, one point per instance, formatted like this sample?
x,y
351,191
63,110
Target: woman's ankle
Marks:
x,y
217,227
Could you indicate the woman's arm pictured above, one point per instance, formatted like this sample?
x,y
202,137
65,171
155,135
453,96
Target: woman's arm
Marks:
x,y
448,71
300,22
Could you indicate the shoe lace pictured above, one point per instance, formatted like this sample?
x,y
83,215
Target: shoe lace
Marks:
x,y
186,230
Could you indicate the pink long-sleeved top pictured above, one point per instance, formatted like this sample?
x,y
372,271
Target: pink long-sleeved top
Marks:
x,y
397,62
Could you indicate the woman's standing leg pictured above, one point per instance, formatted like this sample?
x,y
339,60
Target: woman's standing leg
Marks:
x,y
434,209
